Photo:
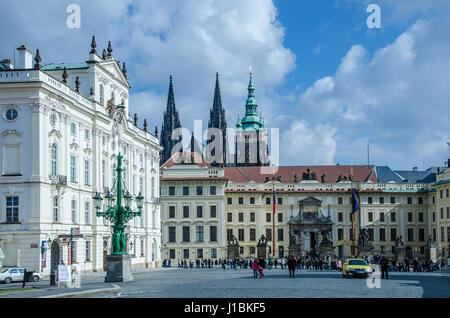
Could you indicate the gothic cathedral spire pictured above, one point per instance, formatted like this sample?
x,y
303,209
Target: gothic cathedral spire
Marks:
x,y
171,121
217,120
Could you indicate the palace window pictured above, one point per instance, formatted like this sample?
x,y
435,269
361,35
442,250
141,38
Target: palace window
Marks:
x,y
392,216
213,233
87,212
214,253
87,134
252,234
172,253
381,200
252,217
420,200
269,234
252,200
381,216
410,234
186,253
102,96
73,168
73,206
370,216
392,200
229,234
88,251
172,234
420,216
280,235
267,200
73,129
382,235
410,217
212,190
86,172
213,211
171,212
341,217
280,200
55,209
11,114
171,190
241,235
393,234
241,217
199,211
199,190
229,200
241,200
280,217
369,200
12,209
230,217
421,235
340,200
185,190
54,160
409,200
186,234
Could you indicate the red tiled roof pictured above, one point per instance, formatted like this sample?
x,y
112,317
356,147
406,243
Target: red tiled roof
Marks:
x,y
178,158
360,173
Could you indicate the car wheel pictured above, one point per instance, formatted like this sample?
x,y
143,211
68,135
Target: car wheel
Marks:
x,y
35,278
8,280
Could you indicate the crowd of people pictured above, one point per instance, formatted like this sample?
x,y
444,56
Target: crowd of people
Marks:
x,y
305,263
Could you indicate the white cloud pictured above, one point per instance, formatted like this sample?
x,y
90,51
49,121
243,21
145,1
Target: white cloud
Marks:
x,y
310,144
396,100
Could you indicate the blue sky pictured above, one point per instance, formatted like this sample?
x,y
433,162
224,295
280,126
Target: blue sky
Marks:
x,y
330,84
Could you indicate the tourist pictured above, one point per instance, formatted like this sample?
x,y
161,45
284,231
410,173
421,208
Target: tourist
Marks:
x,y
339,265
384,267
255,268
291,265
261,266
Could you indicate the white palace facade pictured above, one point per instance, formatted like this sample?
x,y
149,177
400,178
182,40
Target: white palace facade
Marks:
x,y
60,134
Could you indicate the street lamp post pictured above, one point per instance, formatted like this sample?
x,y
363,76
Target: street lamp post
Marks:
x,y
119,215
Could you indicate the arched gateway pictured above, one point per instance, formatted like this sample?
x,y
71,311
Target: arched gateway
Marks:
x,y
310,231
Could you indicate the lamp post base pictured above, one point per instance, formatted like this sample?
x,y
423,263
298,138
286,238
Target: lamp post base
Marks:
x,y
118,268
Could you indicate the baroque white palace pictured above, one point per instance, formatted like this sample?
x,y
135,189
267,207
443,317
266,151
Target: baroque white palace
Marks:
x,y
60,133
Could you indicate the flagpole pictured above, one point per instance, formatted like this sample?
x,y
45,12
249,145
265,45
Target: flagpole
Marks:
x,y
273,219
353,227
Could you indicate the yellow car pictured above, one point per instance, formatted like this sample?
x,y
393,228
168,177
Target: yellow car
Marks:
x,y
354,267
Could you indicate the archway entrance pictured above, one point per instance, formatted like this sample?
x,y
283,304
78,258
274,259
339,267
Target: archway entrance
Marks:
x,y
55,255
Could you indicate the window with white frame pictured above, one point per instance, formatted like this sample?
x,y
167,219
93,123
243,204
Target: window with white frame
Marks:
x,y
54,159
73,168
87,134
153,187
73,129
87,212
141,185
12,209
74,211
102,96
103,173
153,219
55,209
88,251
86,172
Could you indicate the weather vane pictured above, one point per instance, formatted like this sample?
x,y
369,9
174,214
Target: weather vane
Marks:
x,y
250,69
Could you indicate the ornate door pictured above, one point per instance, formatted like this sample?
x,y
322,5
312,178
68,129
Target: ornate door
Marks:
x,y
55,250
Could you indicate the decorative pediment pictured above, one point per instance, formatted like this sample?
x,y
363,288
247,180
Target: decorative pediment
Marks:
x,y
55,133
13,132
114,69
74,146
55,102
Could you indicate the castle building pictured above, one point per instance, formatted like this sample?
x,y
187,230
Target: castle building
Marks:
x,y
62,127
314,203
171,121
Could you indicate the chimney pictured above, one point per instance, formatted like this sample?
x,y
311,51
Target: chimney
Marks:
x,y
25,58
7,64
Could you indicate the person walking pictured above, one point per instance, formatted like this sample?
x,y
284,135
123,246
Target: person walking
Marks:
x,y
255,268
384,263
339,265
261,266
291,263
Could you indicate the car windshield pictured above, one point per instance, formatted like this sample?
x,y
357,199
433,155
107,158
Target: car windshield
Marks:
x,y
357,262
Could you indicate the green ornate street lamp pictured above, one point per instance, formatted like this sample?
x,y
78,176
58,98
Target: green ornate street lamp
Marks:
x,y
119,215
